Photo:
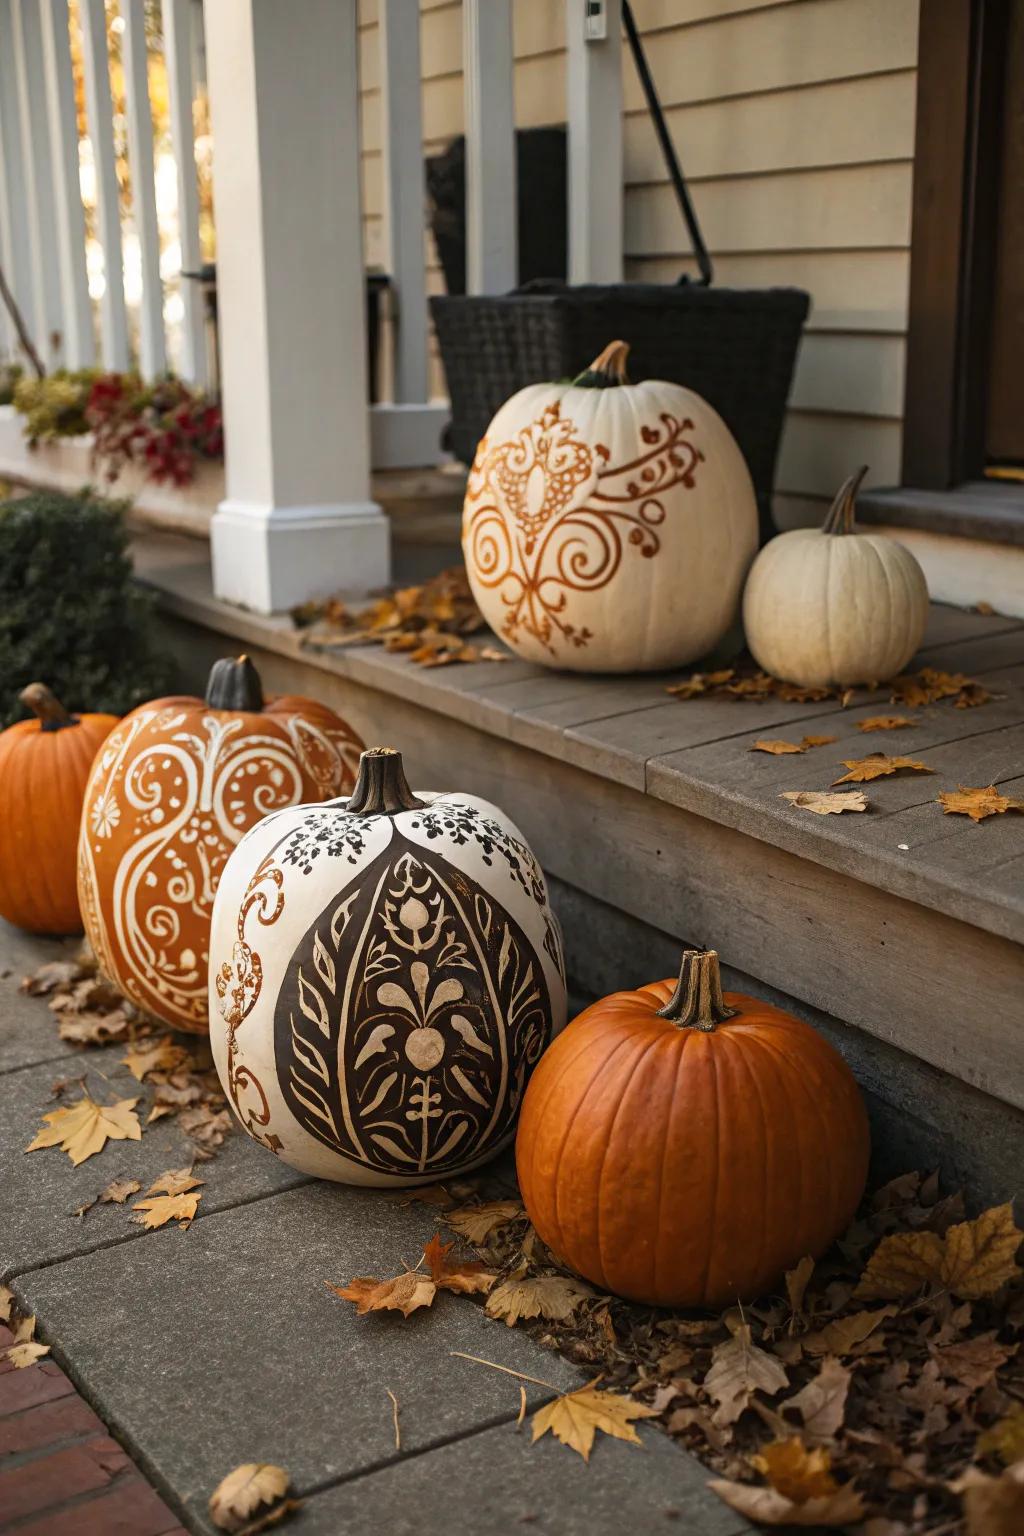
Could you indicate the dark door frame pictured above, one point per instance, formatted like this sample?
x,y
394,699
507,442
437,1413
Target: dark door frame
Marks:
x,y
956,150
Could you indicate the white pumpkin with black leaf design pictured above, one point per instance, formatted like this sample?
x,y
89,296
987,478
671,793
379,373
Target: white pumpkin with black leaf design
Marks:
x,y
385,972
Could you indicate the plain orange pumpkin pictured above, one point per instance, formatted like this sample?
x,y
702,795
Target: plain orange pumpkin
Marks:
x,y
682,1148
44,768
177,785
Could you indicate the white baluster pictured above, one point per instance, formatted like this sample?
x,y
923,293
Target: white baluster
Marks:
x,y
79,334
491,256
594,97
404,191
100,112
178,56
134,55
47,319
14,219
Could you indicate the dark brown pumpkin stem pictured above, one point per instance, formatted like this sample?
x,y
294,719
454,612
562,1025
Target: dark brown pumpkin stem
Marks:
x,y
697,1002
844,508
46,707
608,370
234,684
382,788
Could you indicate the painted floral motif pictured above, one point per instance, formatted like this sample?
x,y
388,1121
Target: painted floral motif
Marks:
x,y
105,815
458,822
547,515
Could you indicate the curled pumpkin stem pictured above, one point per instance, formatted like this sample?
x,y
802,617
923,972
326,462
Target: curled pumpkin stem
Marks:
x,y
608,369
843,510
697,1002
46,707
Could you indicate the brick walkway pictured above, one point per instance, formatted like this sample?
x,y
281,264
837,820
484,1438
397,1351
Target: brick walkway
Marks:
x,y
61,1474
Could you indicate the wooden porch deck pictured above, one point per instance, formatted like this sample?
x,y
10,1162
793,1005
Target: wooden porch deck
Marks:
x,y
659,824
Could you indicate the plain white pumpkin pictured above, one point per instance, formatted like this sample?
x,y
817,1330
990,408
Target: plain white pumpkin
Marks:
x,y
385,972
608,526
829,605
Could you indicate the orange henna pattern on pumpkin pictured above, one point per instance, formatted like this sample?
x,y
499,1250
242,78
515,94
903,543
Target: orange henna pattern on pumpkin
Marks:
x,y
522,494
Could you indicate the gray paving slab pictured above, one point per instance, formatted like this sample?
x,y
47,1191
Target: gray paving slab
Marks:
x,y
497,1484
223,1344
27,1031
41,1190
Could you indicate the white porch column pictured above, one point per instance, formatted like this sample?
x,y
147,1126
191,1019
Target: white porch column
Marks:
x,y
594,105
297,521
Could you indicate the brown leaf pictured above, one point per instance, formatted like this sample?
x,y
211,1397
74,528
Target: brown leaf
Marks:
x,y
777,748
157,1056
549,1296
206,1126
6,1303
466,1276
824,804
994,1506
405,1294
796,1284
822,1403
878,766
930,685
176,1181
477,1222
1005,1439
576,1417
84,1128
795,1472
700,682
54,974
974,1361
767,1507
886,723
739,1368
978,803
95,1028
244,1492
118,1191
158,1210
818,741
974,1259
844,1334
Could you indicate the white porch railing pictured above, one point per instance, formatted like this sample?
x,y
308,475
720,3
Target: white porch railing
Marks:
x,y
286,195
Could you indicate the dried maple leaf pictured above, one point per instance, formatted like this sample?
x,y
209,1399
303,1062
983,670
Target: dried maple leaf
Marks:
x,y
974,1259
821,1405
824,804
739,1368
405,1293
84,1128
54,974
886,723
795,1472
878,766
95,1028
817,741
796,1284
466,1276
844,1334
1005,1439
553,1297
777,748
972,1362
700,682
576,1417
176,1181
206,1126
770,1506
477,1222
159,1056
978,803
118,1191
158,1210
25,1350
247,1490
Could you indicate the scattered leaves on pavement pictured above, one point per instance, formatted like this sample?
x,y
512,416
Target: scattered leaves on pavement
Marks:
x,y
54,974
822,803
780,748
978,803
576,1417
929,686
972,1260
245,1492
877,765
84,1128
477,1222
466,1275
429,623
407,1293
886,723
174,1196
154,1056
553,1297
25,1350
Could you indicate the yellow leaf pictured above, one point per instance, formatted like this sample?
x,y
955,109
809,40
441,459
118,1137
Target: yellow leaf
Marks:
x,y
886,723
244,1491
404,1294
878,766
159,1056
27,1353
84,1128
466,1276
994,1506
176,1181
974,1259
739,1368
6,1303
1006,1438
824,804
161,1209
818,741
575,1418
477,1222
768,1507
549,1296
777,748
977,803
795,1472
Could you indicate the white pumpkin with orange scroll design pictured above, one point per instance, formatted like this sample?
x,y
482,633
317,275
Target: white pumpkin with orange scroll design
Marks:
x,y
608,526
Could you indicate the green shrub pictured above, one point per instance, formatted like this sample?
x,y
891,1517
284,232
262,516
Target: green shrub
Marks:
x,y
55,406
70,614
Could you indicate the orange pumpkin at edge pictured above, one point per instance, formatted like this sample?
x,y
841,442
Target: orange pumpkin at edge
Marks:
x,y
44,769
683,1148
176,786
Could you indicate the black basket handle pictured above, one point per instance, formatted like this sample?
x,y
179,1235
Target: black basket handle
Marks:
x,y
675,170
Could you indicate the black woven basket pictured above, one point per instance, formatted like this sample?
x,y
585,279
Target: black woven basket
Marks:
x,y
735,347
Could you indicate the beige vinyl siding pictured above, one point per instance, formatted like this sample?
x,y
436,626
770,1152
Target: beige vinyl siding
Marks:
x,y
794,121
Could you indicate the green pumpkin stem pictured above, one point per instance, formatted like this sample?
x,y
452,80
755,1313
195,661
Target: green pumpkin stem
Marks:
x,y
46,707
382,788
606,371
697,1002
843,510
234,683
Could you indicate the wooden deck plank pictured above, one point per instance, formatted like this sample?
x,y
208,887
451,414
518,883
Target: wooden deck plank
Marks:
x,y
948,625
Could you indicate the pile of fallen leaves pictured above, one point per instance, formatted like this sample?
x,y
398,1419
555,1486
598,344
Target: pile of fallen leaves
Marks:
x,y
880,1390
913,689
429,623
